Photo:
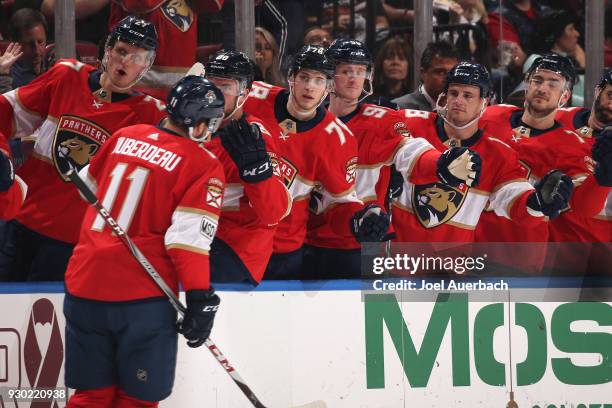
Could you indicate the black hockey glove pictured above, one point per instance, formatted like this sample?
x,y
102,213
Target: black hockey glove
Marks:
x,y
7,172
370,224
197,323
602,154
244,143
396,183
459,165
553,192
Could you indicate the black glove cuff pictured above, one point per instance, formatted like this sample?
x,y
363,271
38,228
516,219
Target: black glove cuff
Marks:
x,y
256,172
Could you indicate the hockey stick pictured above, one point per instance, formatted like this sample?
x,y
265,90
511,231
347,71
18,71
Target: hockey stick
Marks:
x,y
146,265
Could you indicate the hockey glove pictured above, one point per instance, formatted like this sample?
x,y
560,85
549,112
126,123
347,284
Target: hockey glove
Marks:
x,y
552,193
7,172
459,165
602,154
197,323
370,224
396,183
245,145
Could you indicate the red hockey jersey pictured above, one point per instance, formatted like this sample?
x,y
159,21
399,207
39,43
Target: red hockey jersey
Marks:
x,y
72,119
11,200
541,151
319,155
570,226
251,211
383,140
434,212
176,25
165,191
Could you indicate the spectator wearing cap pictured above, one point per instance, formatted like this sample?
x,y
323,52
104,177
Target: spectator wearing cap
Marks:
x,y
437,59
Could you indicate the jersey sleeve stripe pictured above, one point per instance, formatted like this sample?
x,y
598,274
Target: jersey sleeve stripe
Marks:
x,y
407,156
187,248
25,120
192,228
502,200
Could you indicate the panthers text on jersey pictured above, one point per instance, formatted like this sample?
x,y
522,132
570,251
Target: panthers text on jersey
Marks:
x,y
436,212
319,155
71,117
165,191
539,152
251,211
383,140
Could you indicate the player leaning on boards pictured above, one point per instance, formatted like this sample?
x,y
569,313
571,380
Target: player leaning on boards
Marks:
x,y
317,153
121,334
590,124
433,212
383,140
256,198
73,109
543,144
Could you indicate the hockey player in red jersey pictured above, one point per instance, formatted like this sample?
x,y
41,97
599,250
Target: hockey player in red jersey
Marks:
x,y
256,198
542,145
176,22
12,188
73,109
317,153
434,212
164,190
383,140
590,125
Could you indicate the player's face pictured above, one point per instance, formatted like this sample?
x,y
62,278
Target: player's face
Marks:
x,y
126,62
545,90
603,105
463,103
230,90
349,80
308,88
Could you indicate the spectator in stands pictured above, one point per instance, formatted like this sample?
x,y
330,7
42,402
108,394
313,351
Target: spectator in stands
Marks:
x,y
317,36
516,21
7,59
392,69
399,12
324,15
267,57
437,59
28,27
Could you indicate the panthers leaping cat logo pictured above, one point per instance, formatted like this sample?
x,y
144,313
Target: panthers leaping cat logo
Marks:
x,y
435,204
77,150
75,143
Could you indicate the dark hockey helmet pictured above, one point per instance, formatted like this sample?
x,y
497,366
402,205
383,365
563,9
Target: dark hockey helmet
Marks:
x,y
231,64
470,73
349,51
313,58
135,31
606,78
555,63
195,99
